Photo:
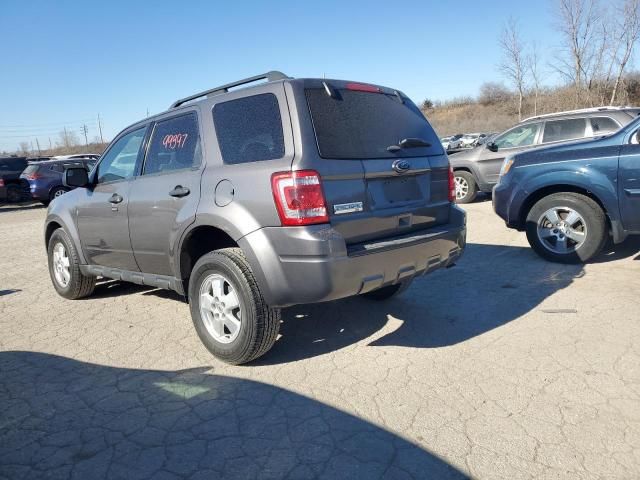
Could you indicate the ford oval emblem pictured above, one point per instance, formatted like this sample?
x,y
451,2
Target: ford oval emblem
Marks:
x,y
401,166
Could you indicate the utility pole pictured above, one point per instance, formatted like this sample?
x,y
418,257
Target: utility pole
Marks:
x,y
66,138
147,112
100,129
50,146
32,149
85,130
38,144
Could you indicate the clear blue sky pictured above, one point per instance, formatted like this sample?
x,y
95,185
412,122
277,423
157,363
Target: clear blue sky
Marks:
x,y
65,62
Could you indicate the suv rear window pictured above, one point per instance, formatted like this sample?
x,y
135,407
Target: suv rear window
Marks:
x,y
604,125
249,129
361,125
30,169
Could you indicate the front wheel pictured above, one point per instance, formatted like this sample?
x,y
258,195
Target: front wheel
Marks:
x,y
567,228
229,313
64,268
466,187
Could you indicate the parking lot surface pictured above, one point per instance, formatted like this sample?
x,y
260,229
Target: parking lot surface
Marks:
x,y
505,366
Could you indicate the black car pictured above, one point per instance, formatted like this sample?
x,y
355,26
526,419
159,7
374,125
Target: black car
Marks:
x,y
11,188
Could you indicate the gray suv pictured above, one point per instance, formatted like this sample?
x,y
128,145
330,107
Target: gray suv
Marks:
x,y
478,170
246,200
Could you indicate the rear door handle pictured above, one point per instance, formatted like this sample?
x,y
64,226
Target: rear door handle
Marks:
x,y
179,191
115,198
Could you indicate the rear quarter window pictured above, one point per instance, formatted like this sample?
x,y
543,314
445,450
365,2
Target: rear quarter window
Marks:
x,y
249,129
604,125
561,130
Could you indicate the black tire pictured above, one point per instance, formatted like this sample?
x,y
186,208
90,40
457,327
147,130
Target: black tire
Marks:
x,y
385,293
79,285
472,191
588,209
14,195
259,323
57,192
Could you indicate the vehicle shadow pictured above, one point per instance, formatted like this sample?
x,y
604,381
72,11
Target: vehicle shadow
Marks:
x,y
626,249
9,291
13,207
62,418
491,286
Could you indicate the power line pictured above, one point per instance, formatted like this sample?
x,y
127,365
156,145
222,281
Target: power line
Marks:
x,y
50,124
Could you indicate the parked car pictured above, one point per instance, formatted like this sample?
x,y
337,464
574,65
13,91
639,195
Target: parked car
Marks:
x,y
44,179
77,156
11,189
469,140
453,142
241,225
569,198
477,170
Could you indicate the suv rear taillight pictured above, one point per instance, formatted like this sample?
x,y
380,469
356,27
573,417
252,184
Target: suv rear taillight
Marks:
x,y
299,197
1,182
452,185
33,176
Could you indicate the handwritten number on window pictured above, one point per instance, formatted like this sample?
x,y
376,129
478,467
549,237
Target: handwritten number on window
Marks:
x,y
174,141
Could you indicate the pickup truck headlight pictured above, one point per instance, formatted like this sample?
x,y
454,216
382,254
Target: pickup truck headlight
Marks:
x,y
506,165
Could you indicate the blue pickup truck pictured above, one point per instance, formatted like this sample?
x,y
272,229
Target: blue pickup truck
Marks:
x,y
569,198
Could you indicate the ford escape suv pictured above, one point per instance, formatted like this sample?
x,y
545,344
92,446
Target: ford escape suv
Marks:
x,y
246,200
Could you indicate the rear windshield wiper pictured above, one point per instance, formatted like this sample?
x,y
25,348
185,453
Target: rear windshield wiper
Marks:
x,y
408,143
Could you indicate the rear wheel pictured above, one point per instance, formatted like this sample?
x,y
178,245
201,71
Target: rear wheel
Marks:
x,y
466,187
566,228
388,292
57,192
13,194
228,310
64,268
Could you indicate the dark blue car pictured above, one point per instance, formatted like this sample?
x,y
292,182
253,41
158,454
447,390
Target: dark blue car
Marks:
x,y
45,178
570,197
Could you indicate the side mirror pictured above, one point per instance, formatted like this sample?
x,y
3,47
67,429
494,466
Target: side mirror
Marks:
x,y
75,177
492,146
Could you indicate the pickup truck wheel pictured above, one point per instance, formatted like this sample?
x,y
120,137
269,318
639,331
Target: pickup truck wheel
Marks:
x,y
466,187
228,311
566,228
64,268
391,291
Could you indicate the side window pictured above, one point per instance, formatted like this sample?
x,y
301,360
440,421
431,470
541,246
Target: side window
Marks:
x,y
57,167
119,163
175,145
521,136
249,129
560,130
604,125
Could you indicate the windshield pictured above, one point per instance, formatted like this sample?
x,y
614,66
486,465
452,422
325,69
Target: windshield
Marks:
x,y
361,125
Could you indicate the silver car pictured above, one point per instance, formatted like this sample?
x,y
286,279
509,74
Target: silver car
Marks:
x,y
477,170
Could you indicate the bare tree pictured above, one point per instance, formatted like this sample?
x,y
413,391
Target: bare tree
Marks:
x,y
629,33
514,62
534,66
24,149
580,25
68,138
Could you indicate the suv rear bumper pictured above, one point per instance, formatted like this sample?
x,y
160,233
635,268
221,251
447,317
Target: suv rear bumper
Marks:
x,y
297,265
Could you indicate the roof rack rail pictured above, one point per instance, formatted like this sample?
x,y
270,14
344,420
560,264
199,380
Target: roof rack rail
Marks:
x,y
580,110
271,76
